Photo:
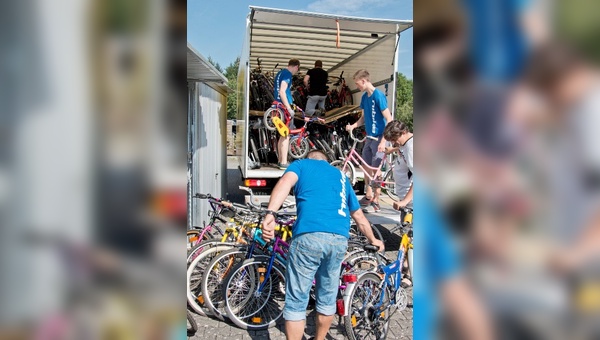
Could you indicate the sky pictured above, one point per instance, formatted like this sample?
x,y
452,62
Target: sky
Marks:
x,y
216,28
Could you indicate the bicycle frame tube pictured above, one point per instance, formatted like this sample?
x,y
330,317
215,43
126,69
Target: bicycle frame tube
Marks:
x,y
395,268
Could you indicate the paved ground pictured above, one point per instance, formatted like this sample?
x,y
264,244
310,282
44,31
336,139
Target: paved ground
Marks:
x,y
400,326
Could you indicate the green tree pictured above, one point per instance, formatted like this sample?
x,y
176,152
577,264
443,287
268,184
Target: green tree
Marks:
x,y
404,100
215,64
231,73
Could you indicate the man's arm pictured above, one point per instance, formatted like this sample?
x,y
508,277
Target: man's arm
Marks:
x,y
406,199
306,78
365,227
388,118
279,194
356,124
465,309
283,96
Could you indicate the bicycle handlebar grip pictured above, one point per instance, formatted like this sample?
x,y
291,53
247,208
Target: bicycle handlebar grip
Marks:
x,y
201,196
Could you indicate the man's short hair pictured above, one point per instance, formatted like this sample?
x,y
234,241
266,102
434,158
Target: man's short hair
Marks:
x,y
394,129
294,62
362,74
318,63
317,154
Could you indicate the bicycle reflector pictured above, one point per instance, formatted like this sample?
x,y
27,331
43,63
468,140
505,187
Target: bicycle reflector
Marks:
x,y
349,278
340,307
255,183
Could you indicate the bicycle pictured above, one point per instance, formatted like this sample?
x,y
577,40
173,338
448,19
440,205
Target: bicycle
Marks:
x,y
373,297
338,98
218,206
378,179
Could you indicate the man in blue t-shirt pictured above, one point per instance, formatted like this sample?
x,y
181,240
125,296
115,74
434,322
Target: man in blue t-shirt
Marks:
x,y
325,202
376,115
283,94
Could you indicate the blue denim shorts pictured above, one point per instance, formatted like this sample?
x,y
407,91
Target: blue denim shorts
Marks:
x,y
313,256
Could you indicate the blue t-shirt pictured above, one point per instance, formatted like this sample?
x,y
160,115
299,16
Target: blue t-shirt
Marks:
x,y
284,75
436,261
324,198
372,107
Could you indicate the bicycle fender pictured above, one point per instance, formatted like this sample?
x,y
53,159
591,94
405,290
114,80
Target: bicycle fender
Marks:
x,y
283,130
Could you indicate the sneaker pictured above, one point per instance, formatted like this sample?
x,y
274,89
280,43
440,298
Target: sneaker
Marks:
x,y
282,166
376,206
364,201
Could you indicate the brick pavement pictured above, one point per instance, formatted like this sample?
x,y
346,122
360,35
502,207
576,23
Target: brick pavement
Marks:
x,y
400,325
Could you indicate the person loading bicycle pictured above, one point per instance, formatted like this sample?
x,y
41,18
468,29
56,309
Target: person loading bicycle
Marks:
x,y
283,94
376,115
397,133
315,81
325,202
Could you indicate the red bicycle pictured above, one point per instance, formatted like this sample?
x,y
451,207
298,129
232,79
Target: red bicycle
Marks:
x,y
338,98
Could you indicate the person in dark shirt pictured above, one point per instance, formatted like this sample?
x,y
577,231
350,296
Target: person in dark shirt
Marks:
x,y
315,81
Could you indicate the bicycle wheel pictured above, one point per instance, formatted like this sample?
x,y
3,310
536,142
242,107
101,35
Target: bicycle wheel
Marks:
x,y
359,262
390,186
268,116
212,280
363,321
359,239
349,169
254,152
299,147
195,296
249,306
193,238
198,249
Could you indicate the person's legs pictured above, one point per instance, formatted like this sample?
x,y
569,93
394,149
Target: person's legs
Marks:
x,y
368,154
283,145
327,281
375,161
304,258
323,325
294,330
321,102
311,104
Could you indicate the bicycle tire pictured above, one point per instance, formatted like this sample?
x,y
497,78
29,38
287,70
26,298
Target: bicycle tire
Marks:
x,y
255,311
350,172
298,147
193,238
191,331
254,152
361,320
268,116
390,189
195,271
212,280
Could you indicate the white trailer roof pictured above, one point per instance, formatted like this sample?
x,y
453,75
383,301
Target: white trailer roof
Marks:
x,y
279,35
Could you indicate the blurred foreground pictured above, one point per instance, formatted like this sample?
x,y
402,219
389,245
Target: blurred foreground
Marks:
x,y
92,169
507,107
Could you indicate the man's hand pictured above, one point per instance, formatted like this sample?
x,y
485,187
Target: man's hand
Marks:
x,y
379,244
268,227
381,146
349,127
400,204
389,150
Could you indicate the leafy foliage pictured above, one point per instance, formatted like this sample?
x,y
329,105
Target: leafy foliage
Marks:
x,y
404,100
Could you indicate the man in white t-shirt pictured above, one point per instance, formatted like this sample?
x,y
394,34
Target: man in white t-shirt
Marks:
x,y
398,133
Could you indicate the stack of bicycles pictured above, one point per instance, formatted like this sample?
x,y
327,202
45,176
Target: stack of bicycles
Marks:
x,y
373,296
240,277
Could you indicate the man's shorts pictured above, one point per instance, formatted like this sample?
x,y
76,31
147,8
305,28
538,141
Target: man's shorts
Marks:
x,y
370,154
313,256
